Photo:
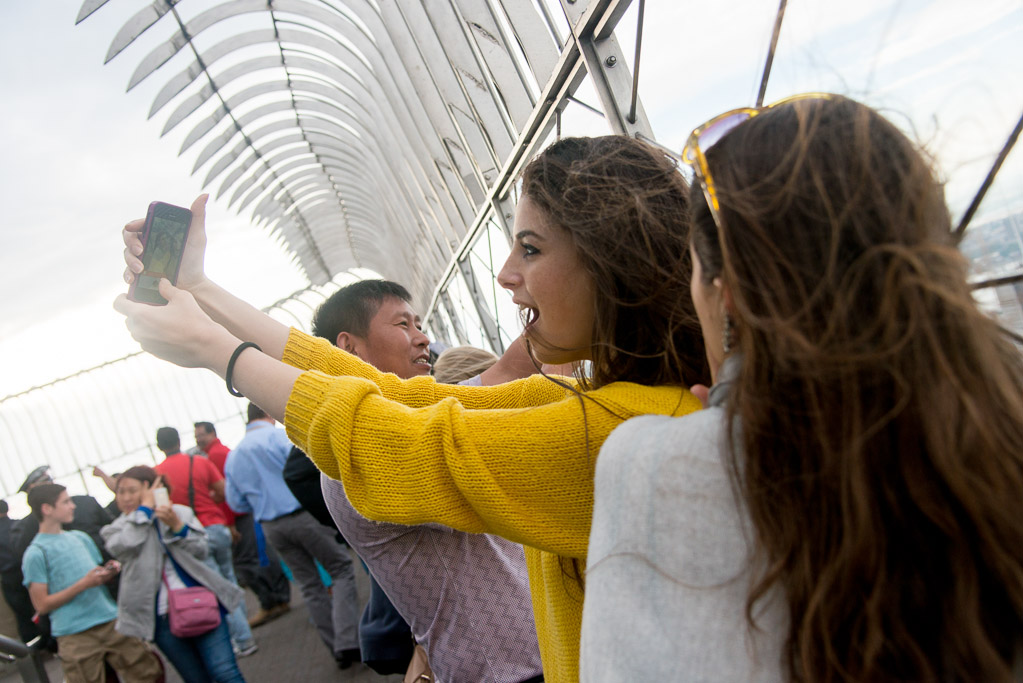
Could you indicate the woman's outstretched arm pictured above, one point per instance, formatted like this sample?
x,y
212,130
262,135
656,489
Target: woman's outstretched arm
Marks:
x,y
182,333
523,473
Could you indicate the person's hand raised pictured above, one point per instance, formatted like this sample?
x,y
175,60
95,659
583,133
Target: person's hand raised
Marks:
x,y
166,514
192,272
148,498
179,332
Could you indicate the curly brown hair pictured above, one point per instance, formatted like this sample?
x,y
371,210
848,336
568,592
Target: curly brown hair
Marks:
x,y
625,206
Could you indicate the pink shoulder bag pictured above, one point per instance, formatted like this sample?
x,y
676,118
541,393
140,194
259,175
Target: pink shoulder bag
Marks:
x,y
191,611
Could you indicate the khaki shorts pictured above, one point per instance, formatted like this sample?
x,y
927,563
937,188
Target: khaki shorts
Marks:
x,y
82,655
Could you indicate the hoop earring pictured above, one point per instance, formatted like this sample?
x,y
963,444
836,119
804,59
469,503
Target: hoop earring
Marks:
x,y
728,335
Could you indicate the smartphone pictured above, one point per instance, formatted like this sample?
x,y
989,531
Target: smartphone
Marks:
x,y
160,496
163,242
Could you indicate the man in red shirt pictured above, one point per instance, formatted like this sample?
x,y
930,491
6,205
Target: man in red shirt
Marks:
x,y
216,452
206,439
196,482
269,583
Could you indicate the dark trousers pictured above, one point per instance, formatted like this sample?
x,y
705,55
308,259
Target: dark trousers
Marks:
x,y
302,541
269,583
384,638
17,598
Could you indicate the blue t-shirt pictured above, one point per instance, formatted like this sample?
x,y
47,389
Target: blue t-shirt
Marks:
x,y
59,560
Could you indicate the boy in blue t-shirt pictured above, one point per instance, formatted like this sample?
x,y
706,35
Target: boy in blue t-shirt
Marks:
x,y
65,580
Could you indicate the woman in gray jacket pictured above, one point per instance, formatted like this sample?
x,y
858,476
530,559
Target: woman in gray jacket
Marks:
x,y
162,548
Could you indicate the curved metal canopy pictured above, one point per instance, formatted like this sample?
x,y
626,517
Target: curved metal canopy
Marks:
x,y
362,133
387,134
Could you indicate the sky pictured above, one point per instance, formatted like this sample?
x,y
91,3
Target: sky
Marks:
x,y
79,159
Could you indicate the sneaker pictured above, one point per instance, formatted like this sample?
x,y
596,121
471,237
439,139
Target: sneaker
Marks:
x,y
245,650
279,609
264,615
348,657
260,617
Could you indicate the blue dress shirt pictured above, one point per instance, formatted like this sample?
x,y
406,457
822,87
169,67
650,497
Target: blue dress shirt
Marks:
x,y
254,473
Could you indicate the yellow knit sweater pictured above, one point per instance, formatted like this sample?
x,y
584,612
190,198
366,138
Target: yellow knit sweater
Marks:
x,y
515,460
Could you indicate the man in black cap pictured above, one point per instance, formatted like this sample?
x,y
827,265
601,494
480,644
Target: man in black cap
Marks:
x,y
40,475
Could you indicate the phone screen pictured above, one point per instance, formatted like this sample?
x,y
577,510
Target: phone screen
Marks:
x,y
164,235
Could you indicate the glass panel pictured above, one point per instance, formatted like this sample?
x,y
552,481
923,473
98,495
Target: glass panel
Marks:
x,y
487,256
994,245
108,417
438,329
466,312
557,15
698,60
1005,304
946,72
995,248
583,116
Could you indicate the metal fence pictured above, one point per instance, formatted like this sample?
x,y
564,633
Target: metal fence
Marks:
x,y
107,415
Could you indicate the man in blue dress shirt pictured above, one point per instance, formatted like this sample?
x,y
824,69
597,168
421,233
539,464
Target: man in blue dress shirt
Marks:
x,y
255,483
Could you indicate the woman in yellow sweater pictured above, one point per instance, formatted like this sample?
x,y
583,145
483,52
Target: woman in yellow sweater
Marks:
x,y
600,267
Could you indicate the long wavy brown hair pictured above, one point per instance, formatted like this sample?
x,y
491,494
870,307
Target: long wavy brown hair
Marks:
x,y
625,206
880,454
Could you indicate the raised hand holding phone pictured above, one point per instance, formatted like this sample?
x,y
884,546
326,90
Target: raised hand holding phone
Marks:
x,y
191,269
167,515
180,332
164,234
203,324
148,498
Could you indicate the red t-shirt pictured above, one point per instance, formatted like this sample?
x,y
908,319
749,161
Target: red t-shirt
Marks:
x,y
204,474
217,454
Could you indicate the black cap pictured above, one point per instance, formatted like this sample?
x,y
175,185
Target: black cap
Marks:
x,y
36,476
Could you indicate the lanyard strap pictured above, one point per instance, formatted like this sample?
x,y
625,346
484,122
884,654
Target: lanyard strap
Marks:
x,y
185,577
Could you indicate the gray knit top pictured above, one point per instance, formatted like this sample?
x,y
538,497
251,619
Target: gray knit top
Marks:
x,y
668,570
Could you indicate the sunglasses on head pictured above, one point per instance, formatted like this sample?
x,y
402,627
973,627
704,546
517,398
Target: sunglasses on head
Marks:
x,y
713,131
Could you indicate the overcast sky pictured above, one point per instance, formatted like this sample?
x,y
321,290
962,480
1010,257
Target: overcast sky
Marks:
x,y
78,161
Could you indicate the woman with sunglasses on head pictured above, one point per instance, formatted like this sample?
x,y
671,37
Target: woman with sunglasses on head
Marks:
x,y
849,506
599,265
